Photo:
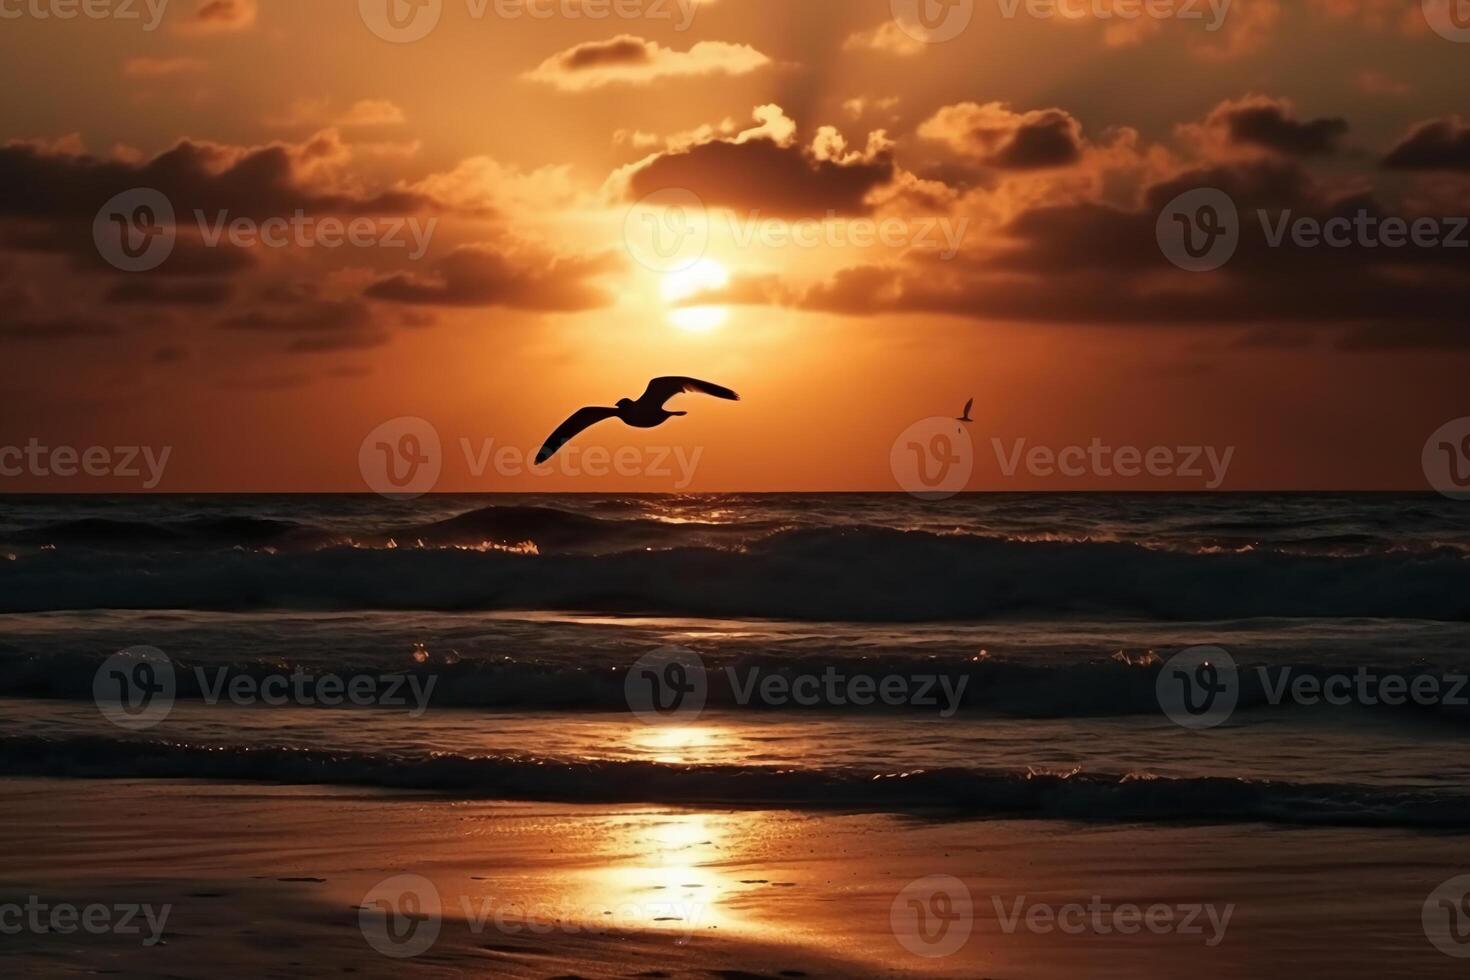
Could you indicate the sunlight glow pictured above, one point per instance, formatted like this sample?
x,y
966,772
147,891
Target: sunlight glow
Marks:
x,y
703,275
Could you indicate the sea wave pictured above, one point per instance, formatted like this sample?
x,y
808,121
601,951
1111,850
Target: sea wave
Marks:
x,y
1070,795
854,573
1118,686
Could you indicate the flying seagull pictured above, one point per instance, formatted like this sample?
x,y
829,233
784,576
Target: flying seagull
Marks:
x,y
645,413
966,417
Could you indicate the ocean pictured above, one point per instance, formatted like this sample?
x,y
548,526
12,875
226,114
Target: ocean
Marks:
x,y
991,655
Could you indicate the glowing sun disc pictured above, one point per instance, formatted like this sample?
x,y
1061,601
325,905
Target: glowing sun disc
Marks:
x,y
704,275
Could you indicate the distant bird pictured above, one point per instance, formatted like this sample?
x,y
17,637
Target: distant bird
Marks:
x,y
645,413
966,417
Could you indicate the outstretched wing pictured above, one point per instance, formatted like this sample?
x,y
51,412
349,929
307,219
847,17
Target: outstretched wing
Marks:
x,y
968,405
575,423
661,390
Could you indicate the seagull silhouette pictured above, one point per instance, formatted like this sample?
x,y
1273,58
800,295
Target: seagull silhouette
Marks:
x,y
966,417
645,413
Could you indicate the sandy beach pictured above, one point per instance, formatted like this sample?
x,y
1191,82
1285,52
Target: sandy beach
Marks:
x,y
272,881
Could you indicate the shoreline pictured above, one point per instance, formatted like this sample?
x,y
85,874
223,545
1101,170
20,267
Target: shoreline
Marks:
x,y
263,878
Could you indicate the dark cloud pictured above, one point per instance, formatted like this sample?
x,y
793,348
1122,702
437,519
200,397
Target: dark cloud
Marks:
x,y
1094,263
57,328
1052,142
1439,144
256,184
220,16
760,174
48,201
624,50
315,324
996,136
1269,124
475,275
137,289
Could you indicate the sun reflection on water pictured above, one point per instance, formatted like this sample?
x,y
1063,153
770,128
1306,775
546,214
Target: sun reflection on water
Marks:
x,y
677,744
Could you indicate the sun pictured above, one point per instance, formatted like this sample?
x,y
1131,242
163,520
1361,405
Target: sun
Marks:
x,y
706,274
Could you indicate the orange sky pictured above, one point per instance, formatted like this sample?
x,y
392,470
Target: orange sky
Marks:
x,y
1017,169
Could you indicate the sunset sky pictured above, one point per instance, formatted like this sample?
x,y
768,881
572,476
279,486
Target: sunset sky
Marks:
x,y
1047,145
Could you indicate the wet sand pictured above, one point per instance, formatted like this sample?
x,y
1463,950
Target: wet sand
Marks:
x,y
273,881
